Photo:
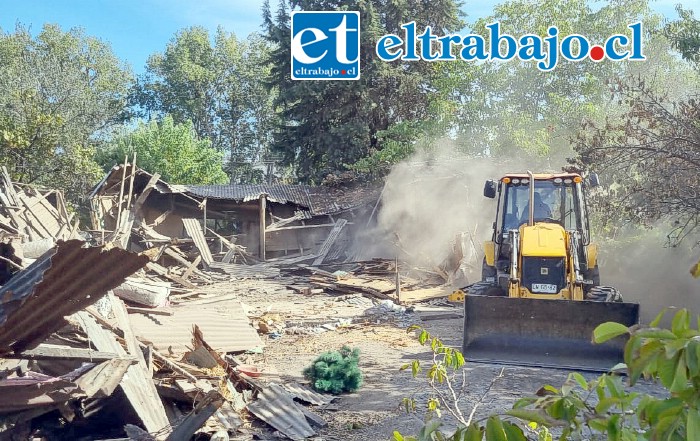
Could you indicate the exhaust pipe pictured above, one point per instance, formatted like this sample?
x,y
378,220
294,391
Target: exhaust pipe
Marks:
x,y
531,214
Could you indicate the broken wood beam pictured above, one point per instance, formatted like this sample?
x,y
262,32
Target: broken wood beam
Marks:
x,y
199,415
55,352
263,216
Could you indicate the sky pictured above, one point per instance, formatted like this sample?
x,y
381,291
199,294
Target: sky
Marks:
x,y
138,28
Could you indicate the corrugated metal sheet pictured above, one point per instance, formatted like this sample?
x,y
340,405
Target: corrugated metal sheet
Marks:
x,y
194,230
64,280
277,408
306,394
225,329
319,200
280,193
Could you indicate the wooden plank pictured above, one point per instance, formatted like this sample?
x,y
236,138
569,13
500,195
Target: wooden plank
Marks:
x,y
304,227
132,309
160,218
196,419
280,223
194,230
192,267
262,220
328,243
164,272
144,194
228,256
49,352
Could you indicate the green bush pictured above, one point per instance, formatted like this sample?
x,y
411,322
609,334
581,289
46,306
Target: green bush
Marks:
x,y
336,371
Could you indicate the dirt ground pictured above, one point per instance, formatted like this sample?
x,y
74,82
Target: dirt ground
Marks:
x,y
297,335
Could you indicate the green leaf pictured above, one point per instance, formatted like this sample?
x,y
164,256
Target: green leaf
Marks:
x,y
691,357
415,368
494,429
692,425
430,427
680,379
404,367
614,385
680,322
474,433
580,380
423,337
607,331
613,428
536,416
513,432
460,359
667,370
655,323
398,436
655,333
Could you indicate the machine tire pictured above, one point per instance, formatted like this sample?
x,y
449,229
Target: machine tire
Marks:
x,y
487,271
594,275
604,294
485,289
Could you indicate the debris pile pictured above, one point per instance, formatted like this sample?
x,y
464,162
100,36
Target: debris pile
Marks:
x,y
112,332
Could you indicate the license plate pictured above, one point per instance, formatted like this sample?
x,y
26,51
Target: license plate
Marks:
x,y
546,288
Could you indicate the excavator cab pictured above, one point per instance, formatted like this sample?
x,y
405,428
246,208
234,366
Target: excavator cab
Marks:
x,y
540,295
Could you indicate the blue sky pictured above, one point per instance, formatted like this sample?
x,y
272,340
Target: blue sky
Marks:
x,y
136,29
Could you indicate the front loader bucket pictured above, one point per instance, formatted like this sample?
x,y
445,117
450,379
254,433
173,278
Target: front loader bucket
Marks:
x,y
543,333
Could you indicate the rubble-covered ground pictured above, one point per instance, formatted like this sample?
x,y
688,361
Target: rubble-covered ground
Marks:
x,y
300,327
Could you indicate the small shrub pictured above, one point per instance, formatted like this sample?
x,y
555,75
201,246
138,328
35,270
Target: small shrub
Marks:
x,y
336,371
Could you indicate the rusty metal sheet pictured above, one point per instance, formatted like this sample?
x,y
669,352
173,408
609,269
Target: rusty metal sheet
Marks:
x,y
225,328
276,407
66,279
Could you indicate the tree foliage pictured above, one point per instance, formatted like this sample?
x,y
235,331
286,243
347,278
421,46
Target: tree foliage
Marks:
x,y
219,87
528,111
327,125
603,407
336,371
59,92
651,156
172,150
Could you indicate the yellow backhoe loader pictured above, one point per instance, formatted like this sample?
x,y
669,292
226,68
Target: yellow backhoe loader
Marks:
x,y
540,295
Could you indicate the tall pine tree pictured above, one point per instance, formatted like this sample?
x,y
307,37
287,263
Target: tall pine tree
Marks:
x,y
327,125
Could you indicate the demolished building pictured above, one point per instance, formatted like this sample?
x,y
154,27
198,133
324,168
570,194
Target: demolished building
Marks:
x,y
267,220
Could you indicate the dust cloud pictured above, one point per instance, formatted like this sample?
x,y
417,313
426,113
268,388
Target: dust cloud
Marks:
x,y
430,199
647,272
436,195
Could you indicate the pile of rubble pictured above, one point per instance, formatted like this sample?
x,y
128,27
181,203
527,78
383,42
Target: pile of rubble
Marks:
x,y
100,342
111,334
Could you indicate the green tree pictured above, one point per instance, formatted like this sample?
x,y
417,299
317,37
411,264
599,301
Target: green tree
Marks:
x,y
529,111
172,150
59,94
219,87
327,125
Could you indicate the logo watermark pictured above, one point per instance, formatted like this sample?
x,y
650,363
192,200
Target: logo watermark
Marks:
x,y
473,47
325,45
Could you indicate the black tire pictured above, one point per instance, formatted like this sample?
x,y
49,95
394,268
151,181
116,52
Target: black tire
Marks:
x,y
592,274
487,271
485,289
604,294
